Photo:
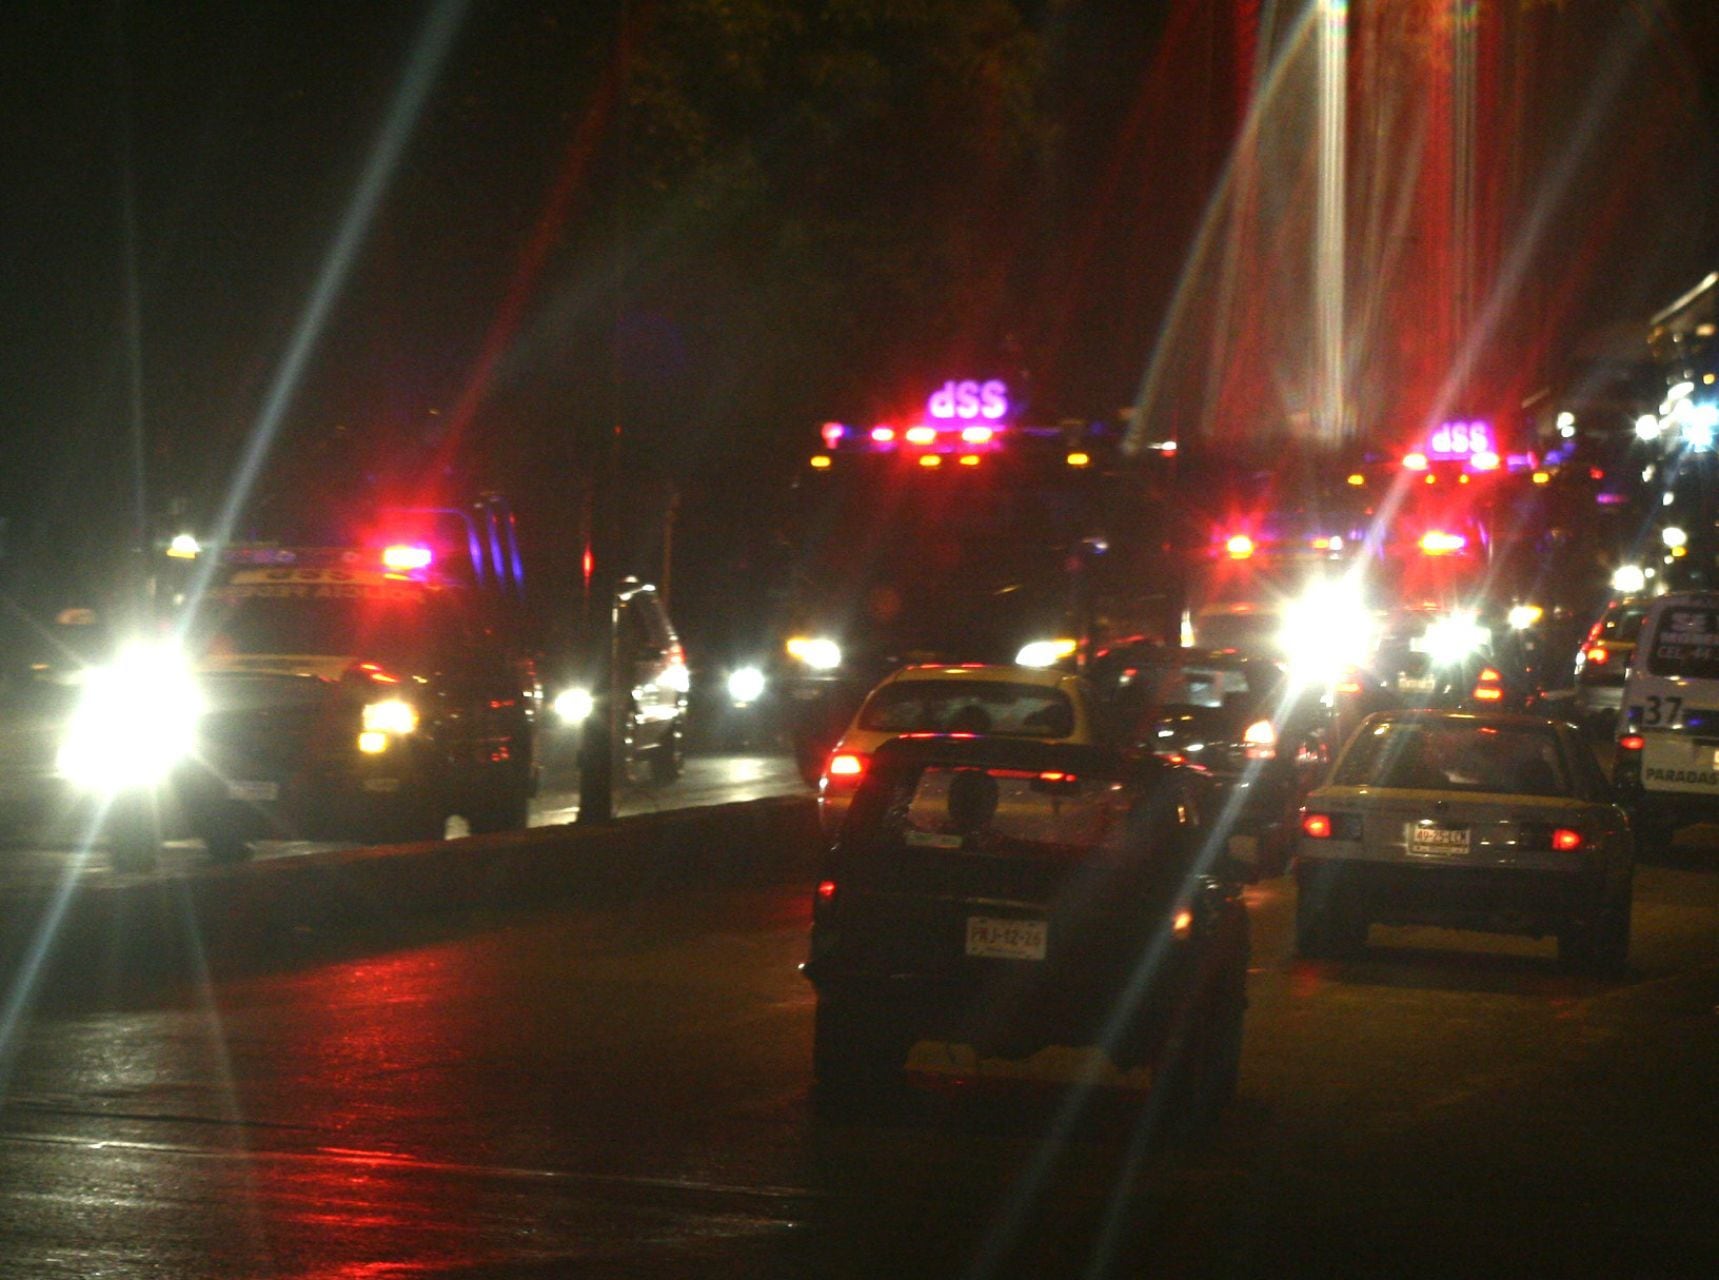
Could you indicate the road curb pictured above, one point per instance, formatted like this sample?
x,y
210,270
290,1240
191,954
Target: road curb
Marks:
x,y
128,924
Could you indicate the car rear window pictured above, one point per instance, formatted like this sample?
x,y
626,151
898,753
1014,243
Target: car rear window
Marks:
x,y
1186,686
1013,810
1455,756
1686,643
1622,625
969,706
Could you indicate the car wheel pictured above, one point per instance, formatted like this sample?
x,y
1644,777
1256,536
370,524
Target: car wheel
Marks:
x,y
1206,1065
226,846
1653,834
507,807
1599,945
856,1048
1326,930
668,759
133,836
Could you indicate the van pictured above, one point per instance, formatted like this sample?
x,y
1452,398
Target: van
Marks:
x,y
1667,764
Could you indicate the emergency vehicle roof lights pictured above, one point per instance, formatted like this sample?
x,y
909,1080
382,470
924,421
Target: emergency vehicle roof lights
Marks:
x,y
921,435
1415,461
883,434
832,433
405,557
977,435
1438,543
1484,461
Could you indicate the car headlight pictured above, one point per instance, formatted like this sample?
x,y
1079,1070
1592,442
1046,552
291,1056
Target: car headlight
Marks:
x,y
134,721
391,715
1451,639
1046,653
573,706
1326,631
1523,616
745,686
1629,580
817,652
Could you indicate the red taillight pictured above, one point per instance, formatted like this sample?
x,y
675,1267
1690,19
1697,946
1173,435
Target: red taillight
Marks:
x,y
1349,686
1564,840
1631,742
826,890
1598,656
1486,686
1317,825
845,770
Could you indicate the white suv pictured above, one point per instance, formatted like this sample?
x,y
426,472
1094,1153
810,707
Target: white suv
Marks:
x,y
1667,768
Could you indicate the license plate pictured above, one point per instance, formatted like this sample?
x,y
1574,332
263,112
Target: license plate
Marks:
x,y
1436,840
254,791
1006,939
1414,684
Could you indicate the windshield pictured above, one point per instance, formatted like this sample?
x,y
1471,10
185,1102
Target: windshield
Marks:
x,y
397,624
1455,756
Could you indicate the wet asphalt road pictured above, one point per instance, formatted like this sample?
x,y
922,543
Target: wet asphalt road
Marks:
x,y
622,1090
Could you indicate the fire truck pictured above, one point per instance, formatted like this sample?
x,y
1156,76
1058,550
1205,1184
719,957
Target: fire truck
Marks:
x,y
960,531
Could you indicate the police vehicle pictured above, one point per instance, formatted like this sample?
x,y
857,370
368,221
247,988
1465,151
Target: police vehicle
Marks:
x,y
313,693
1667,764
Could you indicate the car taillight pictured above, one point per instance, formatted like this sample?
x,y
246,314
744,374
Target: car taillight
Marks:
x,y
826,890
1487,686
845,770
1564,840
1259,740
1317,825
1598,656
1631,742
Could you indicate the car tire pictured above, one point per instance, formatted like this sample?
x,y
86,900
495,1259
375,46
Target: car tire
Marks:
x,y
1653,833
226,846
669,758
857,1049
1204,1067
1327,930
134,838
1599,945
506,807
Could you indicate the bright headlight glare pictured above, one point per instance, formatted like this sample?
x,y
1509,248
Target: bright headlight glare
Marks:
x,y
1046,653
134,721
1629,580
745,685
817,652
1523,616
1326,631
574,706
1451,639
391,715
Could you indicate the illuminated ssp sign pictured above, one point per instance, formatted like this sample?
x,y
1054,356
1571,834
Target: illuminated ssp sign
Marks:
x,y
1463,438
969,401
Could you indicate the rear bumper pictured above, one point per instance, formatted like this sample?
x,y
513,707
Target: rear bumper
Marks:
x,y
1106,981
1459,897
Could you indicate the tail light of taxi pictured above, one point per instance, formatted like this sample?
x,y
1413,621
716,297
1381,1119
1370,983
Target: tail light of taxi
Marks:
x,y
845,771
1598,656
1489,686
1631,743
1566,839
1319,825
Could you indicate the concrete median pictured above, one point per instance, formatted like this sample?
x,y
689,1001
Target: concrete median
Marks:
x,y
95,929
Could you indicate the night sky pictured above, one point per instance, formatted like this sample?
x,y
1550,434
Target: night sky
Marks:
x,y
776,214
